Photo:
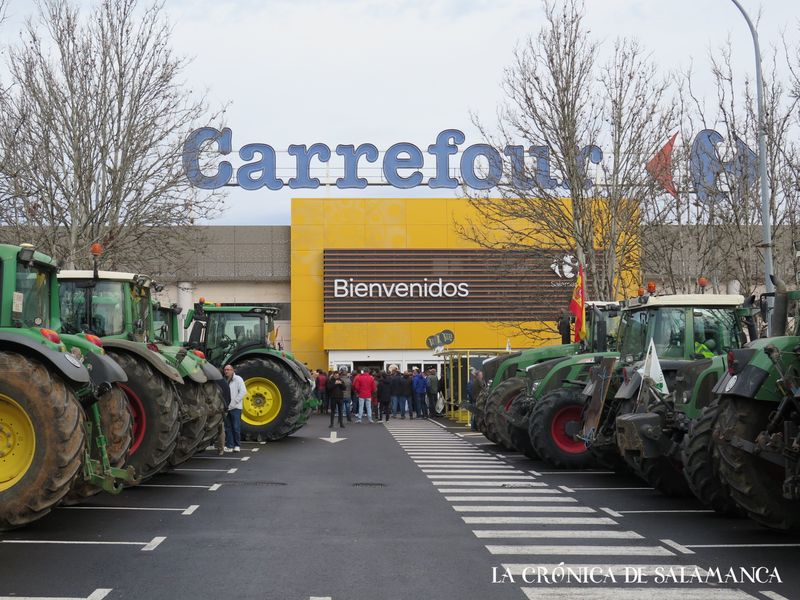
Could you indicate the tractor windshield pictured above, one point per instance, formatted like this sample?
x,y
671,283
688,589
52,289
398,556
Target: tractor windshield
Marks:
x,y
32,297
93,307
632,334
228,331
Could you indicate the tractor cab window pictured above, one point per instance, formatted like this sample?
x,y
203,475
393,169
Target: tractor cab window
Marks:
x,y
92,307
33,293
142,313
227,331
669,333
716,330
162,325
632,334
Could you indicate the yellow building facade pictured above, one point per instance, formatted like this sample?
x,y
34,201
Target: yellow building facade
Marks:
x,y
385,237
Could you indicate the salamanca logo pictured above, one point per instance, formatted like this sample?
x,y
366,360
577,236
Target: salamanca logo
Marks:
x,y
438,288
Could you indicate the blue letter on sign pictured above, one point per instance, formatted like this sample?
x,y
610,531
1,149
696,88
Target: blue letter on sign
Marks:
x,y
392,162
304,179
265,165
191,157
351,156
468,167
442,149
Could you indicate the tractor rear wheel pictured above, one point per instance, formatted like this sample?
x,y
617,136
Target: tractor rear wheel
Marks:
x,y
116,421
491,418
553,426
755,484
480,410
512,402
41,440
274,401
154,405
663,474
215,411
193,422
701,464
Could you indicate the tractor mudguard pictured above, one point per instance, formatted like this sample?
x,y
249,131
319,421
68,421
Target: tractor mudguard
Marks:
x,y
212,373
746,383
629,388
62,362
293,366
156,361
104,369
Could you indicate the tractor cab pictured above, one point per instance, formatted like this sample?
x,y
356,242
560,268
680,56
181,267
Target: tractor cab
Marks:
x,y
224,331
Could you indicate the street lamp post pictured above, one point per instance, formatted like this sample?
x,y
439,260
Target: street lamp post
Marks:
x,y
766,242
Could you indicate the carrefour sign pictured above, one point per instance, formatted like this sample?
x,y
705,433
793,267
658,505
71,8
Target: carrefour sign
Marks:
x,y
400,166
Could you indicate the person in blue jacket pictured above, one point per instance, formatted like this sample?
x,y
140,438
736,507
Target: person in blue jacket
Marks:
x,y
420,387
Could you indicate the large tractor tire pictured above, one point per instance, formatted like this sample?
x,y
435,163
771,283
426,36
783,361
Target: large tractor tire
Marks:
x,y
192,431
663,474
215,411
154,404
553,426
701,464
41,440
116,421
480,410
274,402
755,484
494,421
513,402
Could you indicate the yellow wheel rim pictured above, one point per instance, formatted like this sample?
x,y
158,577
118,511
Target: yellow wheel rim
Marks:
x,y
17,442
262,403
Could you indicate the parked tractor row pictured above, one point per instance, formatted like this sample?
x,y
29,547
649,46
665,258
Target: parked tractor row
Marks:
x,y
97,392
684,394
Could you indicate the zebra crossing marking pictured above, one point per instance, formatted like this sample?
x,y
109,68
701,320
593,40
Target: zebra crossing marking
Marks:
x,y
539,550
605,534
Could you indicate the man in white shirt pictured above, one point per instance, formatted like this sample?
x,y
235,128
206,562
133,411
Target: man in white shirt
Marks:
x,y
233,419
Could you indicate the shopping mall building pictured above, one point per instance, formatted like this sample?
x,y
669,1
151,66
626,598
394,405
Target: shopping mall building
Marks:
x,y
366,281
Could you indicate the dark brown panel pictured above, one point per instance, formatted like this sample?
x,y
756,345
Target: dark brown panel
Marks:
x,y
445,285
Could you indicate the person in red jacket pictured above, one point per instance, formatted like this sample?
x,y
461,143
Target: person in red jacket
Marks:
x,y
364,385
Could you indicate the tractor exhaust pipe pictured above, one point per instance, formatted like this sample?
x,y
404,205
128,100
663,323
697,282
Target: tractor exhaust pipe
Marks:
x,y
780,310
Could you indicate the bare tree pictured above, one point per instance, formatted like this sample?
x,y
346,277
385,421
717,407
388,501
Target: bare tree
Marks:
x,y
566,106
91,134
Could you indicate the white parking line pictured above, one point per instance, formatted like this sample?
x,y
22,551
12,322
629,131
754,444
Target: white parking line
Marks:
x,y
611,489
215,487
527,509
204,470
577,473
500,490
566,489
245,458
539,550
168,485
232,471
98,594
143,508
607,510
509,499
740,545
539,521
154,543
198,457
255,449
191,509
669,512
680,548
637,593
558,534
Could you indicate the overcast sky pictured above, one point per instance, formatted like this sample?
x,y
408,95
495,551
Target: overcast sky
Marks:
x,y
353,71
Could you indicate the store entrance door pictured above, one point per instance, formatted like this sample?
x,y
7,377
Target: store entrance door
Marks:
x,y
369,365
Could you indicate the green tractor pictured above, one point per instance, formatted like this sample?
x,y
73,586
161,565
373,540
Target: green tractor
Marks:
x,y
170,390
503,408
279,399
56,392
757,429
690,335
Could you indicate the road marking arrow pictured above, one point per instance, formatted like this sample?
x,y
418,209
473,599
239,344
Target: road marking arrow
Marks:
x,y
333,439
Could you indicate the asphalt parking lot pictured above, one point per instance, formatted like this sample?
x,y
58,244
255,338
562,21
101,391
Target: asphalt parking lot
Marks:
x,y
408,510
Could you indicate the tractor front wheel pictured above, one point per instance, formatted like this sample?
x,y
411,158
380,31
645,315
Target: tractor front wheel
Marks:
x,y
116,422
41,440
701,464
553,427
493,424
274,400
154,405
756,485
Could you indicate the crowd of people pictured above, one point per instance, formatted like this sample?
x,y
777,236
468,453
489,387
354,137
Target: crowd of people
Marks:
x,y
384,394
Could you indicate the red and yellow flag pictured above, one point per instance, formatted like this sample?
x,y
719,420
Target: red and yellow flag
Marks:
x,y
577,306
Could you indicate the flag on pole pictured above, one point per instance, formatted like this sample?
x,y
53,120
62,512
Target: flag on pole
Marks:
x,y
577,306
660,167
652,369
